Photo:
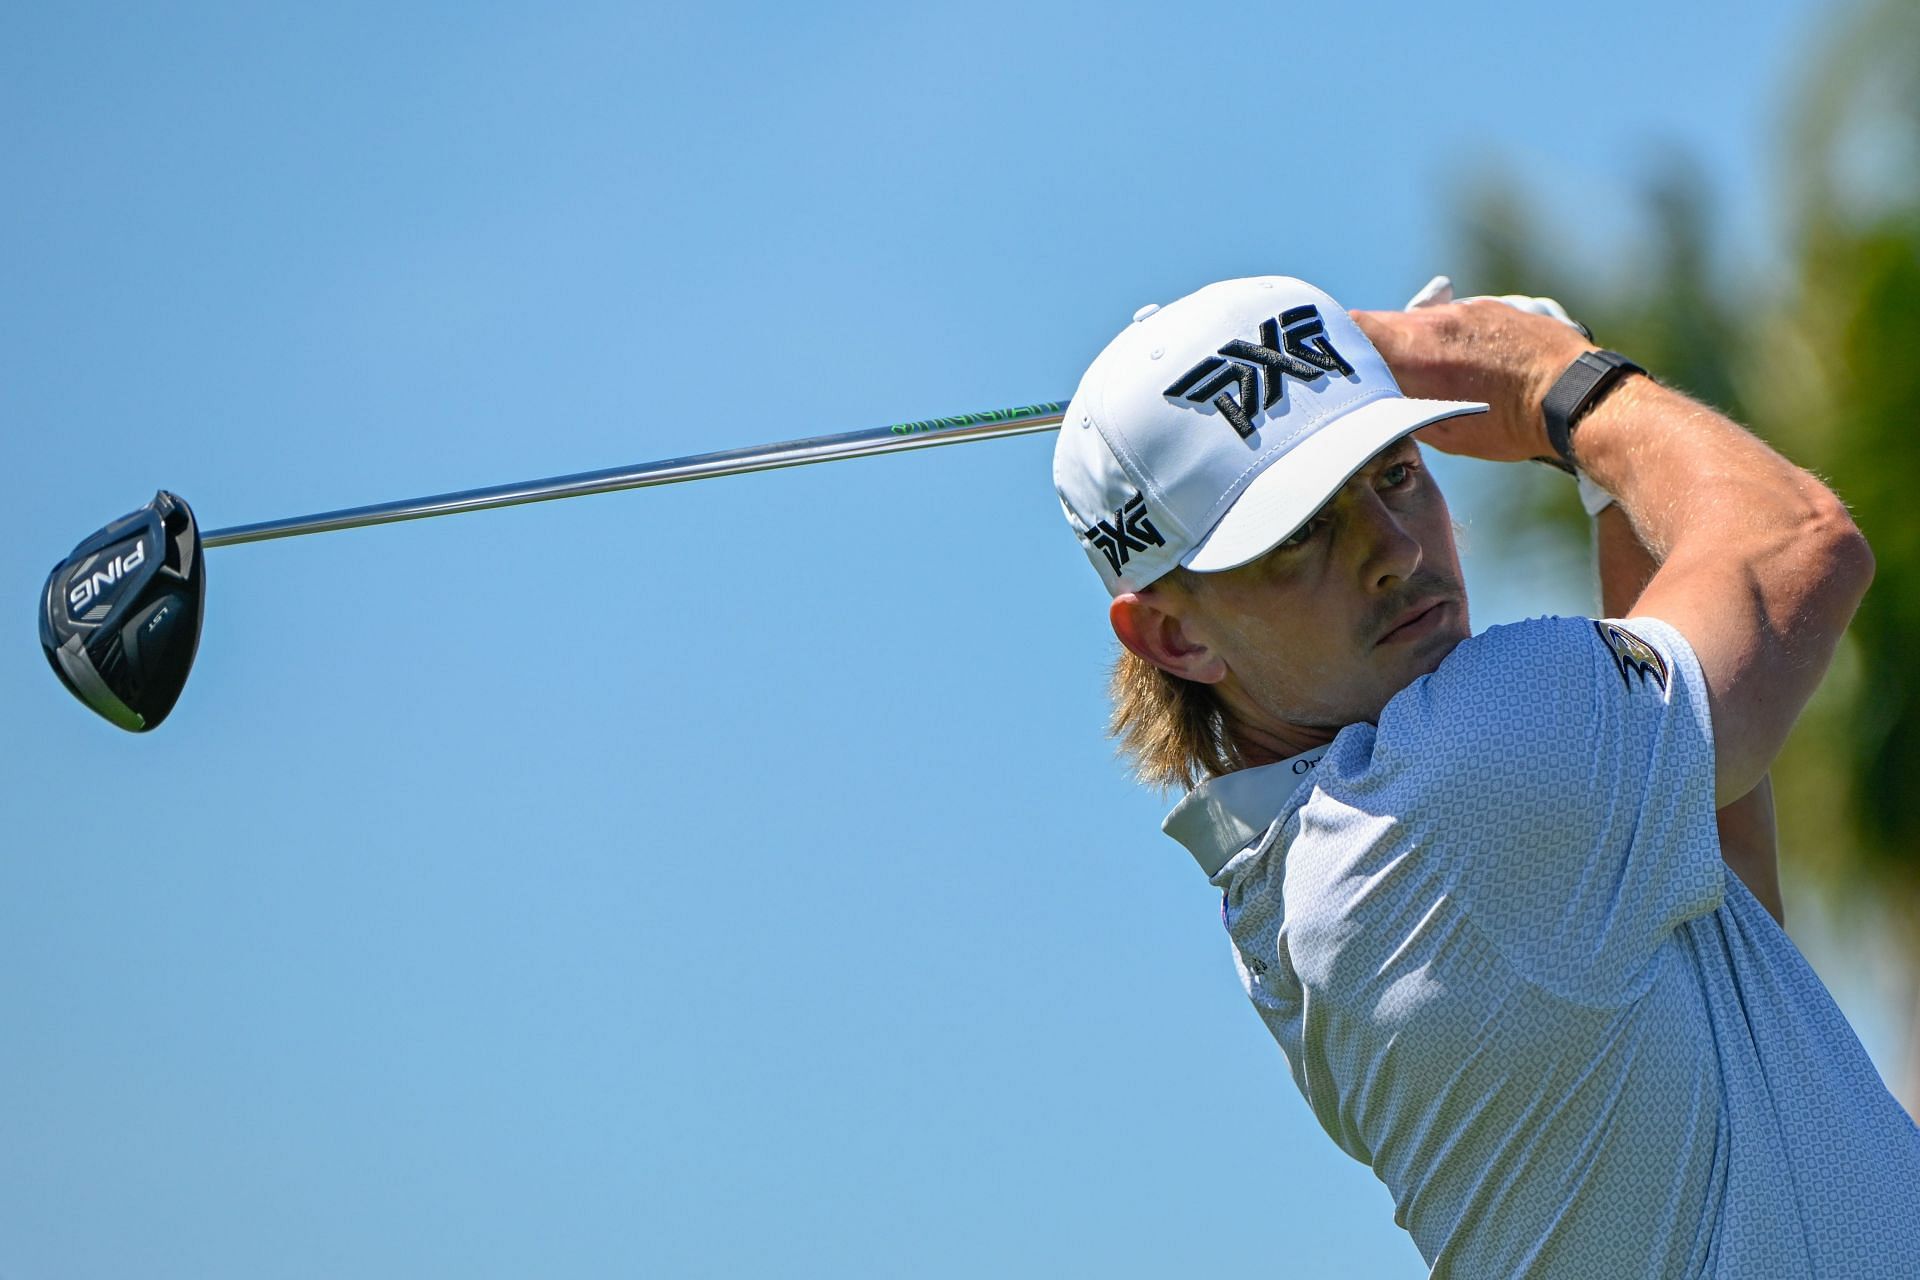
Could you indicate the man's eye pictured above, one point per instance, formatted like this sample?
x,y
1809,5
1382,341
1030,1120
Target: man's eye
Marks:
x,y
1303,535
1399,474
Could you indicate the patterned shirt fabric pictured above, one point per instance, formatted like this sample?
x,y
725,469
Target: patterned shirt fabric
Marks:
x,y
1510,973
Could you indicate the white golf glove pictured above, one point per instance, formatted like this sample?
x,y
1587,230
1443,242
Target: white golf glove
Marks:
x,y
1439,291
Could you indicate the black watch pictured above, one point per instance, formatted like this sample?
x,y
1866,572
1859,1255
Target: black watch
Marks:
x,y
1585,380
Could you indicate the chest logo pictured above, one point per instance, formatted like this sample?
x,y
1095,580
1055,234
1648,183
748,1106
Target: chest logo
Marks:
x,y
1633,656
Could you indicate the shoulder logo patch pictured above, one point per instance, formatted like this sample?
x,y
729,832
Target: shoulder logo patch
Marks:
x,y
1632,655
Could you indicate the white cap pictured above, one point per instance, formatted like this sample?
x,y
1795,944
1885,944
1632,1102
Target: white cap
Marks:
x,y
1213,427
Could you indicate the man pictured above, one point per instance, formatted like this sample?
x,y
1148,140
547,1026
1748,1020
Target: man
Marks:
x,y
1476,885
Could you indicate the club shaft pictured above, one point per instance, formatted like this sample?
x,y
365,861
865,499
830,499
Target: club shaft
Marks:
x,y
896,438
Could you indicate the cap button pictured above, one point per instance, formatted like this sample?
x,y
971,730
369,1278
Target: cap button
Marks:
x,y
1145,311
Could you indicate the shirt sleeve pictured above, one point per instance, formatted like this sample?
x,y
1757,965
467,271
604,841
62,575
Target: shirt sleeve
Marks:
x,y
1562,770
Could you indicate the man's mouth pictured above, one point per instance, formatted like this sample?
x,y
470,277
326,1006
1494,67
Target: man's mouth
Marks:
x,y
1417,623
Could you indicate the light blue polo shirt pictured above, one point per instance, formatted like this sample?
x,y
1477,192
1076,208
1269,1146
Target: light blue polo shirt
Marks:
x,y
1511,974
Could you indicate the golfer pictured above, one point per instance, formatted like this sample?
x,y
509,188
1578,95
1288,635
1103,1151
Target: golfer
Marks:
x,y
1507,901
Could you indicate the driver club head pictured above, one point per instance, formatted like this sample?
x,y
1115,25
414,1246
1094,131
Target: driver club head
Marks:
x,y
120,618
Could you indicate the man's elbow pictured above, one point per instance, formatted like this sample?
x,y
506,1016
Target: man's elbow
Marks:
x,y
1845,561
1830,570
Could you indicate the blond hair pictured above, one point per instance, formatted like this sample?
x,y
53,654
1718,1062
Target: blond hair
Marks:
x,y
1173,731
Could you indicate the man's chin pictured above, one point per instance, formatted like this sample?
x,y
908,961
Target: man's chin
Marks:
x,y
1423,657
1434,650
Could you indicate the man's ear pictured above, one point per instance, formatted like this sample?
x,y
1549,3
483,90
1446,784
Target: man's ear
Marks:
x,y
1146,624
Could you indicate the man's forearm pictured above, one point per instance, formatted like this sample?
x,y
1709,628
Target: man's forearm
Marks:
x,y
1748,840
1680,468
1625,565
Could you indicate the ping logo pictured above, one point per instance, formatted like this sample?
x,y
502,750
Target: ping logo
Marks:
x,y
82,593
1292,345
1632,655
1129,531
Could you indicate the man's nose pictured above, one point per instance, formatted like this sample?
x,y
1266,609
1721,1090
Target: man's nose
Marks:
x,y
1392,553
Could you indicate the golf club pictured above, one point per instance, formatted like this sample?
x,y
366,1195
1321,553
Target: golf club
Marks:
x,y
120,616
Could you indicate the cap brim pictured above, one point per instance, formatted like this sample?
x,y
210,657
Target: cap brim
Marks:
x,y
1297,484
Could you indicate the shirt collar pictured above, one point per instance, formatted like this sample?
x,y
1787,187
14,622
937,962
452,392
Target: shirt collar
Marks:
x,y
1224,815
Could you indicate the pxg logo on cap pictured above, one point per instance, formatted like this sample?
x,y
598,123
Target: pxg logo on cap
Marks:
x,y
1213,427
1304,353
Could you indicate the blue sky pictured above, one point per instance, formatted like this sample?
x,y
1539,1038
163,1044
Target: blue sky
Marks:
x,y
728,879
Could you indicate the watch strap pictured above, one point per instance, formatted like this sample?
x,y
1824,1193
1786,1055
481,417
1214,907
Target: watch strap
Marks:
x,y
1575,392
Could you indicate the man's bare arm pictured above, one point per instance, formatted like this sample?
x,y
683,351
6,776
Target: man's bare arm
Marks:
x,y
1760,566
1748,841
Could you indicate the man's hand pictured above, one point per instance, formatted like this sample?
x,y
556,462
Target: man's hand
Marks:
x,y
1478,350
